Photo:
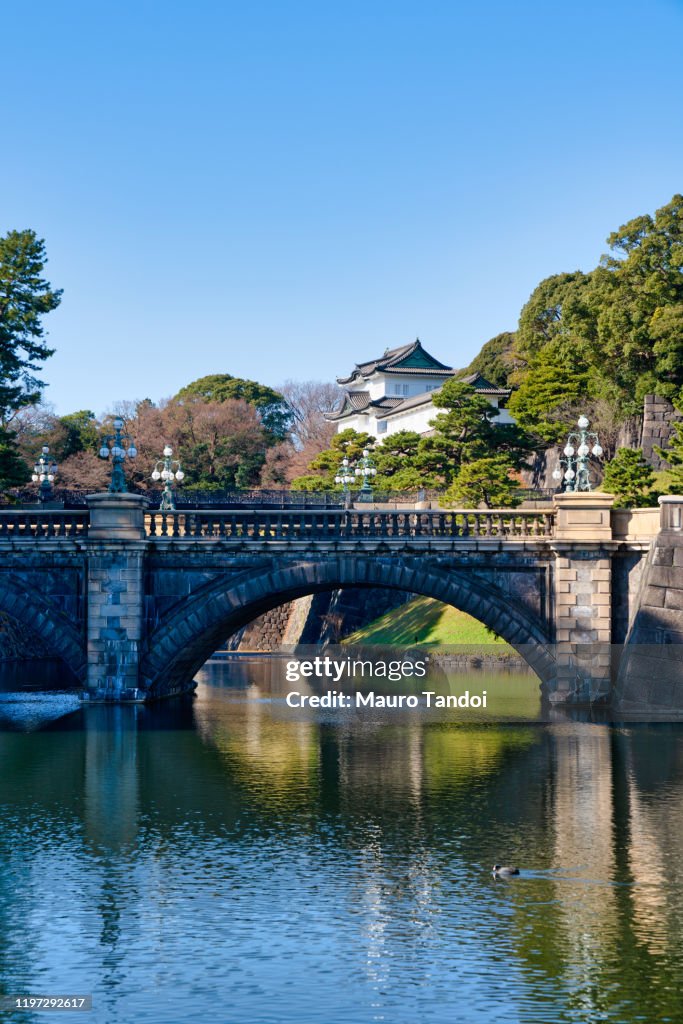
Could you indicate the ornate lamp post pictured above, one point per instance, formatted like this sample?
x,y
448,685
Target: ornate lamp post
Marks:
x,y
167,474
577,455
344,475
113,444
366,470
44,473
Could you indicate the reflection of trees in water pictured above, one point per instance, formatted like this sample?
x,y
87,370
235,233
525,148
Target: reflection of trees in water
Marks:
x,y
651,861
610,931
274,762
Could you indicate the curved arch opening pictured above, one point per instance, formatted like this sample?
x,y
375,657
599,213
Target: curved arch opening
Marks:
x,y
189,635
368,616
44,635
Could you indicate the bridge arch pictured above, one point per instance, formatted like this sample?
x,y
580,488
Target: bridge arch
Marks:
x,y
43,619
189,634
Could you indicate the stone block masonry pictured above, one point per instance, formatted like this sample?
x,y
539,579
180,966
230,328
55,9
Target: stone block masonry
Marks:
x,y
114,618
650,679
583,597
116,554
659,420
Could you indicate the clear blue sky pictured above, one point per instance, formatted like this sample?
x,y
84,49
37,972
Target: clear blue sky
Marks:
x,y
281,189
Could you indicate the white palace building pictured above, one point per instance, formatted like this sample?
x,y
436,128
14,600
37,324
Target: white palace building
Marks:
x,y
394,392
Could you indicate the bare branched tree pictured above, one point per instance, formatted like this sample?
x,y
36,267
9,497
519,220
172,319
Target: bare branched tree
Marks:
x,y
309,400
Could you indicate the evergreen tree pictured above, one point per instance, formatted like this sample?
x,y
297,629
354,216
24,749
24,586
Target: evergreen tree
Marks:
x,y
552,385
25,297
486,481
347,444
621,325
395,461
497,359
629,478
13,470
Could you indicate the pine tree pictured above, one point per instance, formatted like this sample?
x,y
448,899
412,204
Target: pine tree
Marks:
x,y
487,481
25,297
13,470
629,478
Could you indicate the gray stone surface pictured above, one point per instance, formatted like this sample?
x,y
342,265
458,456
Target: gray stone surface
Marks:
x,y
650,678
659,420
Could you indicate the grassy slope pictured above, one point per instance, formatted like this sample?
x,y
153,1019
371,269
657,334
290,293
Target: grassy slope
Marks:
x,y
430,621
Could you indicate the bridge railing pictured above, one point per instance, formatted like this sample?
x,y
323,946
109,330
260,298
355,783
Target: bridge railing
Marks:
x,y
20,525
352,523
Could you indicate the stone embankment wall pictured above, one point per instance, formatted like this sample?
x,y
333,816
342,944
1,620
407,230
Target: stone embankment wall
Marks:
x,y
650,679
659,419
265,633
316,619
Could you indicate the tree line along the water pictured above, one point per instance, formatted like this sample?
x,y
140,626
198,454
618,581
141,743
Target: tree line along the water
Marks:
x,y
595,341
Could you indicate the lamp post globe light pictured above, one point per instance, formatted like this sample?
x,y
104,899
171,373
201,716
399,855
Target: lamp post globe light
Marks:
x,y
366,470
344,475
113,444
167,474
44,473
581,446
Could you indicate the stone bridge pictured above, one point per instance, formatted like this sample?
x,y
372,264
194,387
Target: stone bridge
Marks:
x,y
133,602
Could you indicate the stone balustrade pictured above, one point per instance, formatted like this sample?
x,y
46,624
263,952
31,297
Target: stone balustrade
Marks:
x,y
43,524
508,524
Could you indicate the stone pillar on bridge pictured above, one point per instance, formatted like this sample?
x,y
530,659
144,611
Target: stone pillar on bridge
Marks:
x,y
116,547
583,597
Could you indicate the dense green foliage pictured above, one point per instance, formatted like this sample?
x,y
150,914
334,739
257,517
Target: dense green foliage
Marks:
x,y
324,467
79,433
629,478
497,360
13,470
25,297
614,334
486,481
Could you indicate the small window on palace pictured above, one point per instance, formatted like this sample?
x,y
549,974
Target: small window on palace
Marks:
x,y
400,389
381,426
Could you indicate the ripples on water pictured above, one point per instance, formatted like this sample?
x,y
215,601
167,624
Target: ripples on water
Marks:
x,y
230,861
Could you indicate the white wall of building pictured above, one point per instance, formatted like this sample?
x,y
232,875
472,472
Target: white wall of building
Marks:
x,y
395,385
412,419
417,419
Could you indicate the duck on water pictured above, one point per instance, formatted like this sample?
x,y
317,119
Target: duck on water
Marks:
x,y
504,870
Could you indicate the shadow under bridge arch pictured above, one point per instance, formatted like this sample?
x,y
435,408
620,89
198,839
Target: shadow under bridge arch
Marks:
x,y
42,620
189,634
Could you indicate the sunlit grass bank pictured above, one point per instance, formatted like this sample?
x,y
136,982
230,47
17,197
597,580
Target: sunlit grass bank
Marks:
x,y
427,621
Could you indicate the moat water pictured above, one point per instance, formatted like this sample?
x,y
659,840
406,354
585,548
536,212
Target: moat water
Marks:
x,y
228,859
